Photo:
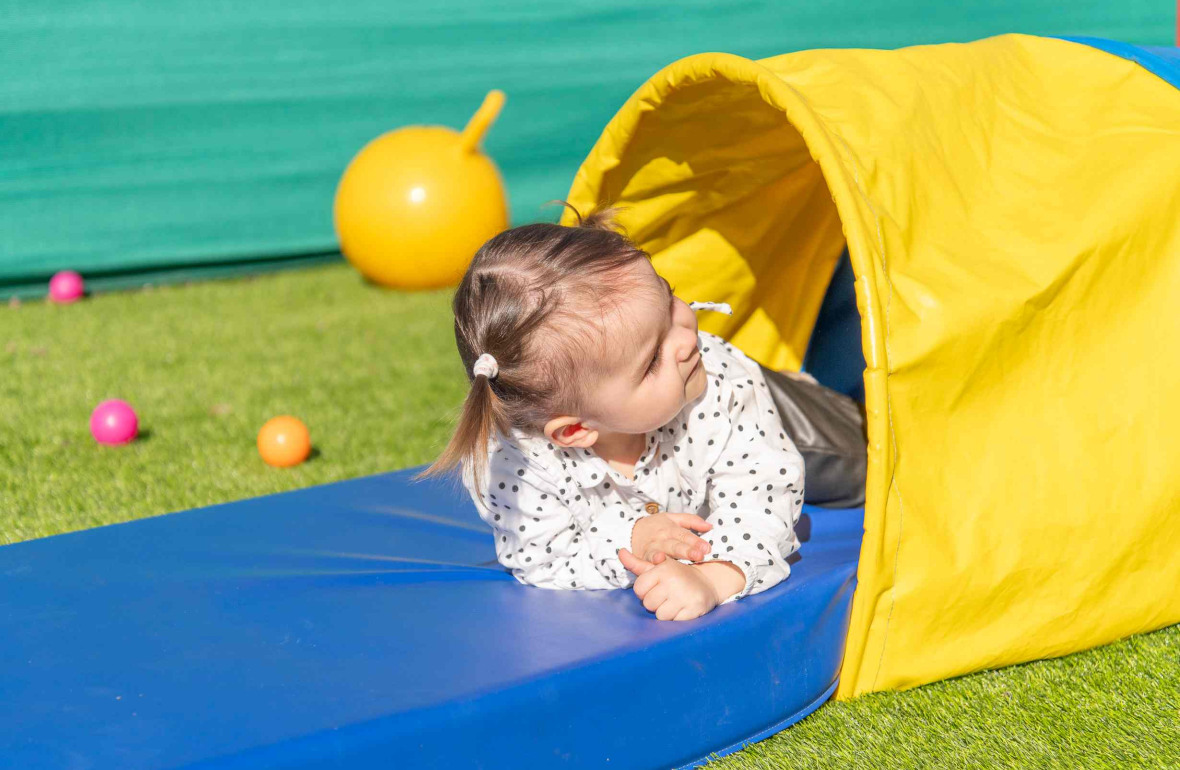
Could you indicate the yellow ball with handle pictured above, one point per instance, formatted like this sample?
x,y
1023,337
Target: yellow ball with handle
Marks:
x,y
415,204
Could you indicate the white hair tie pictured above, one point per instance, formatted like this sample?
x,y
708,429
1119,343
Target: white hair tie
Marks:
x,y
485,365
720,307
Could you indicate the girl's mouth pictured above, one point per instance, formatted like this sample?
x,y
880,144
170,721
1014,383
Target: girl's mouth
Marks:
x,y
694,368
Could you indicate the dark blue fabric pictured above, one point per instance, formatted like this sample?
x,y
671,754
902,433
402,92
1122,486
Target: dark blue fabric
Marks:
x,y
368,624
834,354
1164,62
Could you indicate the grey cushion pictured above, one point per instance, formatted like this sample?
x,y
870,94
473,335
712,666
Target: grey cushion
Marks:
x,y
828,429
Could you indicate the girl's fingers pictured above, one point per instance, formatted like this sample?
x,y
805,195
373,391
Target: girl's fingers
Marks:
x,y
690,521
692,547
686,614
633,563
646,582
696,545
684,546
669,609
673,547
655,597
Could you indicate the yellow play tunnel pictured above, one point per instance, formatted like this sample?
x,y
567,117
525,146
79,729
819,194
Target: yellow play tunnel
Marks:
x,y
1011,208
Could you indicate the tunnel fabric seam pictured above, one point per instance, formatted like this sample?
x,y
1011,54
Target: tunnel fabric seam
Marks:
x,y
893,483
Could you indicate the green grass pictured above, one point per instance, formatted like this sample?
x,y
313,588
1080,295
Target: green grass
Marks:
x,y
375,376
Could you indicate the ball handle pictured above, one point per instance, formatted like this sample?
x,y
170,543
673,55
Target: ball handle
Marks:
x,y
481,121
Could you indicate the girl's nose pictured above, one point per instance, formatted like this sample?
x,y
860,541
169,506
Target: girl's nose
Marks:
x,y
686,345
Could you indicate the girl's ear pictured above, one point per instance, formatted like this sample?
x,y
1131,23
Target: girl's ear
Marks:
x,y
567,431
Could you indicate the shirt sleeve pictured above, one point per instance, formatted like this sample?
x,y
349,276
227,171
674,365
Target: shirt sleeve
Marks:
x,y
755,483
538,537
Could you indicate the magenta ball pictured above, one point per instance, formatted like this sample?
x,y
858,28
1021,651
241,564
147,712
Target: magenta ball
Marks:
x,y
66,286
113,422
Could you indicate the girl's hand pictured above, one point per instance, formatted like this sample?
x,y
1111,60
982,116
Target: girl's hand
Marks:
x,y
658,534
672,590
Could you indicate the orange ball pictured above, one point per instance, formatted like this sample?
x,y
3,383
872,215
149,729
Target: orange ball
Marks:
x,y
284,441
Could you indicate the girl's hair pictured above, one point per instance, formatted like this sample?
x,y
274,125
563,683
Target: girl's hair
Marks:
x,y
529,298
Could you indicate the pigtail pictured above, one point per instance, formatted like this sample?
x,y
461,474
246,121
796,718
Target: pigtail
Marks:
x,y
599,219
482,414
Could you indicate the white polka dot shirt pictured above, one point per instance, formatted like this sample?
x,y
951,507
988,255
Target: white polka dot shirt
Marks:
x,y
561,515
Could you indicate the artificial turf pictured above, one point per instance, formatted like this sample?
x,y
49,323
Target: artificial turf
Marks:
x,y
375,376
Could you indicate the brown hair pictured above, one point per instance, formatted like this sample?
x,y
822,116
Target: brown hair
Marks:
x,y
527,299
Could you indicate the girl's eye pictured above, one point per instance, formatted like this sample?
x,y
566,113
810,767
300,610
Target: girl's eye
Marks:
x,y
655,363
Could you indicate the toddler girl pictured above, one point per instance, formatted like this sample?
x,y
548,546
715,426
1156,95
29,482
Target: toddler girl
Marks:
x,y
605,436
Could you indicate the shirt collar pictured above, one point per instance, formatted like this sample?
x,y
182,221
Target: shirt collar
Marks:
x,y
588,470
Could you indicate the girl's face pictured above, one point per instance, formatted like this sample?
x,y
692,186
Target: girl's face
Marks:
x,y
650,365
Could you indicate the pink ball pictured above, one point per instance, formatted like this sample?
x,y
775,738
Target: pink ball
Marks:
x,y
113,422
66,286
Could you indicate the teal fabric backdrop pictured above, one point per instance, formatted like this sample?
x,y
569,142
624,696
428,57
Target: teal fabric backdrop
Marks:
x,y
147,140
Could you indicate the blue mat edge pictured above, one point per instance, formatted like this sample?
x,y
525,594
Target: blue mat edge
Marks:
x,y
764,734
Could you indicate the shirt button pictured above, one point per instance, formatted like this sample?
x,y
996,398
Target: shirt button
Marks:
x,y
652,508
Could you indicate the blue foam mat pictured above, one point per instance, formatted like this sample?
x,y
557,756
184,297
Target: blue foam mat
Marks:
x,y
367,624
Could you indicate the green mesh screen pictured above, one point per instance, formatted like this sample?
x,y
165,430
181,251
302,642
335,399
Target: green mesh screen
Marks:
x,y
146,140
